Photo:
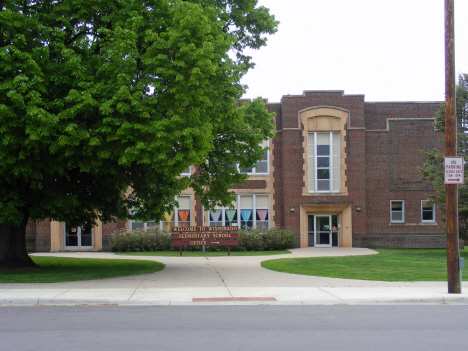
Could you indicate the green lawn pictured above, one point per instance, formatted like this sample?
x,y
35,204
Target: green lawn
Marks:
x,y
387,265
207,253
64,269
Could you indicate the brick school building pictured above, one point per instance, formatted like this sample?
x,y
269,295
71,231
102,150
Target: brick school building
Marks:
x,y
340,172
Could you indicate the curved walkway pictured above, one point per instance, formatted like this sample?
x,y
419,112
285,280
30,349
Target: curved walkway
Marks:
x,y
225,280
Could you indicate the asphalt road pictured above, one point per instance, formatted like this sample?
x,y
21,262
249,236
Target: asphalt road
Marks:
x,y
439,327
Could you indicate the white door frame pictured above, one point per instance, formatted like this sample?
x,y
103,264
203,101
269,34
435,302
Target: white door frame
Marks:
x,y
317,232
78,233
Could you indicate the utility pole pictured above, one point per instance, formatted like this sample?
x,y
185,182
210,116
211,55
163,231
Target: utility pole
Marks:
x,y
451,190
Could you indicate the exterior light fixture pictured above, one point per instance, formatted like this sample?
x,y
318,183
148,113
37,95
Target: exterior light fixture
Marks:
x,y
292,209
358,208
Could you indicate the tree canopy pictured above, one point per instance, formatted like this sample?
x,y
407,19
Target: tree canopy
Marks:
x,y
99,96
434,166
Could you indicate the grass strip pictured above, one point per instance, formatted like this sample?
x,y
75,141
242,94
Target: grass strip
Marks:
x,y
65,269
207,253
388,265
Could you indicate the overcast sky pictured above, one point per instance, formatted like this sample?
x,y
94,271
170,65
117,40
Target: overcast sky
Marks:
x,y
385,50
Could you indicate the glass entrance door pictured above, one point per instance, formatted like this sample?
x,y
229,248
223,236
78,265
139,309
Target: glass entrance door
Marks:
x,y
323,230
78,237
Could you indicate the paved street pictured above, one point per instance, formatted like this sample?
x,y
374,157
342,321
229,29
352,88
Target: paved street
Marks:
x,y
227,280
350,328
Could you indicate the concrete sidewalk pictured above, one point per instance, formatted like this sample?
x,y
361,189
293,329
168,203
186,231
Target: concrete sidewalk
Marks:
x,y
226,280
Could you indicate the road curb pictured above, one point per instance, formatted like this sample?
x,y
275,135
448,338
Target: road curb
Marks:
x,y
10,302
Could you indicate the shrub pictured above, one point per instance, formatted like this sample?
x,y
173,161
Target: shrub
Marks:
x,y
250,240
140,241
264,240
278,239
159,240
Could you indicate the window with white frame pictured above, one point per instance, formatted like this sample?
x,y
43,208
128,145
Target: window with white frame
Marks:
x,y
323,159
397,211
180,217
248,211
262,165
186,172
427,211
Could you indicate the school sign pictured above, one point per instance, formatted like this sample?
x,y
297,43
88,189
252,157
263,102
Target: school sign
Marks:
x,y
205,236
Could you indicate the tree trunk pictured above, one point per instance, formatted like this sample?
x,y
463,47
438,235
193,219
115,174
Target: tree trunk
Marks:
x,y
13,253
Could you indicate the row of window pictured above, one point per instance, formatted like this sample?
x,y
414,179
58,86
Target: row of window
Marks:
x,y
324,159
250,211
397,211
247,211
261,167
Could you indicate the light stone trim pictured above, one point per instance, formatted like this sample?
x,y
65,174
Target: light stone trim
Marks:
x,y
330,119
345,221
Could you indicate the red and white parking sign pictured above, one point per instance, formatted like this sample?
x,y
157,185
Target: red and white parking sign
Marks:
x,y
454,170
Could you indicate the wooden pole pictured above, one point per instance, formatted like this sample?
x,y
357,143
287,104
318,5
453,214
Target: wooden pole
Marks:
x,y
453,271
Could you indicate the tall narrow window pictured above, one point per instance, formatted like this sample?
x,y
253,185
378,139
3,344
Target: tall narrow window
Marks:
x,y
397,211
427,211
323,150
183,211
261,211
246,211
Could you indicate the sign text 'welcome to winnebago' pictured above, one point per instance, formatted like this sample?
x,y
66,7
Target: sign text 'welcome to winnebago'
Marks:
x,y
205,236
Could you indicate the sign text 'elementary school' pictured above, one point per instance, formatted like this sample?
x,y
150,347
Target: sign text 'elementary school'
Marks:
x,y
205,236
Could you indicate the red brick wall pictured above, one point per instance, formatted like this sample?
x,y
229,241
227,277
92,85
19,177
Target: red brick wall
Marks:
x,y
107,230
38,236
381,165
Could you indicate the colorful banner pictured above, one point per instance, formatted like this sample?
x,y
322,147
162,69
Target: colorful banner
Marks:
x,y
230,214
215,215
262,214
184,215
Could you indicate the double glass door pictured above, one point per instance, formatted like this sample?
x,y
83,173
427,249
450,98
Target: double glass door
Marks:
x,y
323,230
78,237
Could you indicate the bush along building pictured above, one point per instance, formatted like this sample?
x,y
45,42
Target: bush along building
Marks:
x,y
339,172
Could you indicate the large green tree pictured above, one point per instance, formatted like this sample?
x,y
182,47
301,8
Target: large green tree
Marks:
x,y
97,97
434,166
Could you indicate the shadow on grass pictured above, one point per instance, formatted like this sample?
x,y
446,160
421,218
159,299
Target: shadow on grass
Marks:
x,y
65,269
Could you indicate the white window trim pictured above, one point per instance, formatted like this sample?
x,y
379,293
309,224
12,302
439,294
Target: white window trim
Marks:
x,y
433,213
330,183
254,211
176,217
402,210
254,169
189,172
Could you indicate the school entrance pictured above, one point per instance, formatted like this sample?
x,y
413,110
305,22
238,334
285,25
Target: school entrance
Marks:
x,y
323,230
77,238
326,225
